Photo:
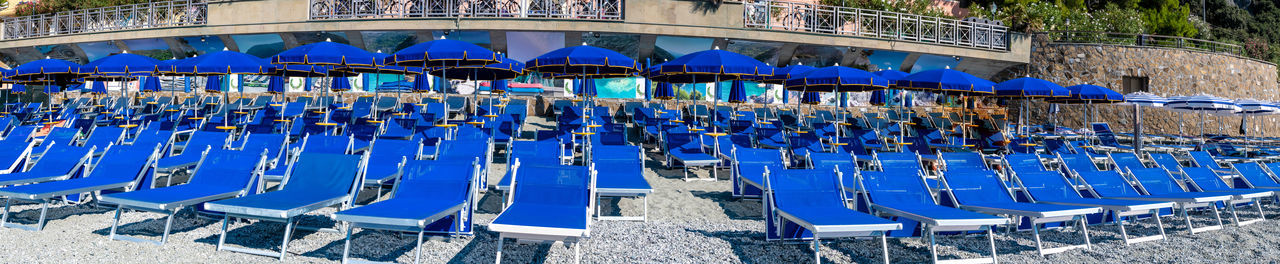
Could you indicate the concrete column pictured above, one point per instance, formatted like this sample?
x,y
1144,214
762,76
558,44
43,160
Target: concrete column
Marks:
x,y
229,42
498,41
722,43
785,53
120,45
853,56
356,39
289,40
909,62
175,47
572,38
644,48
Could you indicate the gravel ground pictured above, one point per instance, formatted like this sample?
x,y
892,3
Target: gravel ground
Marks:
x,y
689,222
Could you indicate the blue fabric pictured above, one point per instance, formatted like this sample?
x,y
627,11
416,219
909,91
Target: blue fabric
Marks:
x,y
663,91
275,85
66,157
125,165
837,79
213,84
123,65
272,144
1028,87
583,60
507,69
36,69
223,63
585,87
814,196
1252,172
221,172
151,84
442,52
553,196
780,75
947,81
327,144
386,154
984,188
892,76
708,65
737,92
103,136
340,84
615,171
379,68
315,177
299,70
195,146
326,53
1088,93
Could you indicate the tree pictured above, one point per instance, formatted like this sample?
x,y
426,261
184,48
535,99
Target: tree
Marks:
x,y
1168,17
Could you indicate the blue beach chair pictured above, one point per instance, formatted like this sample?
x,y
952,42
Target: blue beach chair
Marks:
x,y
191,150
1144,184
903,195
809,204
384,159
1050,187
125,169
685,150
14,154
221,174
314,181
1203,179
429,197
748,167
69,161
547,203
983,191
104,136
622,175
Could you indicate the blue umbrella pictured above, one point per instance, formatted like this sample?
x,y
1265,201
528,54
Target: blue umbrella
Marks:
x,y
1089,94
224,63
947,81
18,88
507,69
327,53
213,84
878,98
892,75
275,85
1027,87
442,53
811,98
585,87
99,87
663,91
837,79
421,84
299,70
151,84
584,60
380,68
737,92
499,86
46,69
781,75
710,65
121,66
340,84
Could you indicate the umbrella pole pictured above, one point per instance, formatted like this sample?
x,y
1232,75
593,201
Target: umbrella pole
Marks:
x,y
1137,129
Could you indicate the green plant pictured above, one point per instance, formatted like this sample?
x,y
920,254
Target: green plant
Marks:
x,y
54,6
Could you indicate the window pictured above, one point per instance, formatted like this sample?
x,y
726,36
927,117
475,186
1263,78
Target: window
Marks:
x,y
1135,84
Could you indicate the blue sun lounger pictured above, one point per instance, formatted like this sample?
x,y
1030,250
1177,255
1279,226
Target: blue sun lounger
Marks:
x,y
621,170
104,136
385,156
748,169
124,169
467,149
1049,187
429,197
1111,184
191,151
14,154
310,144
547,203
983,191
314,181
272,144
903,196
809,204
69,162
1254,176
221,174
684,150
1203,179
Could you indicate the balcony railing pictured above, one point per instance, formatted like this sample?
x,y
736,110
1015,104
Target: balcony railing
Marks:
x,y
381,9
1143,40
795,16
127,17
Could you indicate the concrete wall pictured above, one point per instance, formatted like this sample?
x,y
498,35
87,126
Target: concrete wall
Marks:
x,y
1171,72
645,17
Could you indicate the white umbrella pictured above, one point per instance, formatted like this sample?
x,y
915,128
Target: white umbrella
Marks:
x,y
1138,100
1251,107
1204,104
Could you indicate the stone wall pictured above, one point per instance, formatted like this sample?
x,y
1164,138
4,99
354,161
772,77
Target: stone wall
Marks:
x,y
1171,72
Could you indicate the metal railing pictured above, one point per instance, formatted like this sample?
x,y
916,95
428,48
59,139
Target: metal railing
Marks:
x,y
380,9
796,16
1142,40
126,17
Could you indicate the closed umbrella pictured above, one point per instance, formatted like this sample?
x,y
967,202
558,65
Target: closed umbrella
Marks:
x,y
1204,104
1251,107
1139,100
1027,88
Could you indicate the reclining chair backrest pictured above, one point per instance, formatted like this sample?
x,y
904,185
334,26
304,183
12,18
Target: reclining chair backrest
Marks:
x,y
1058,146
327,144
272,143
1166,160
324,174
63,135
201,140
228,168
1024,162
124,163
1130,160
1203,159
1156,180
435,180
893,187
464,149
1256,175
892,161
1079,162
964,161
806,187
389,149
60,159
1043,184
105,135
683,142
553,185
1205,179
1105,183
978,186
